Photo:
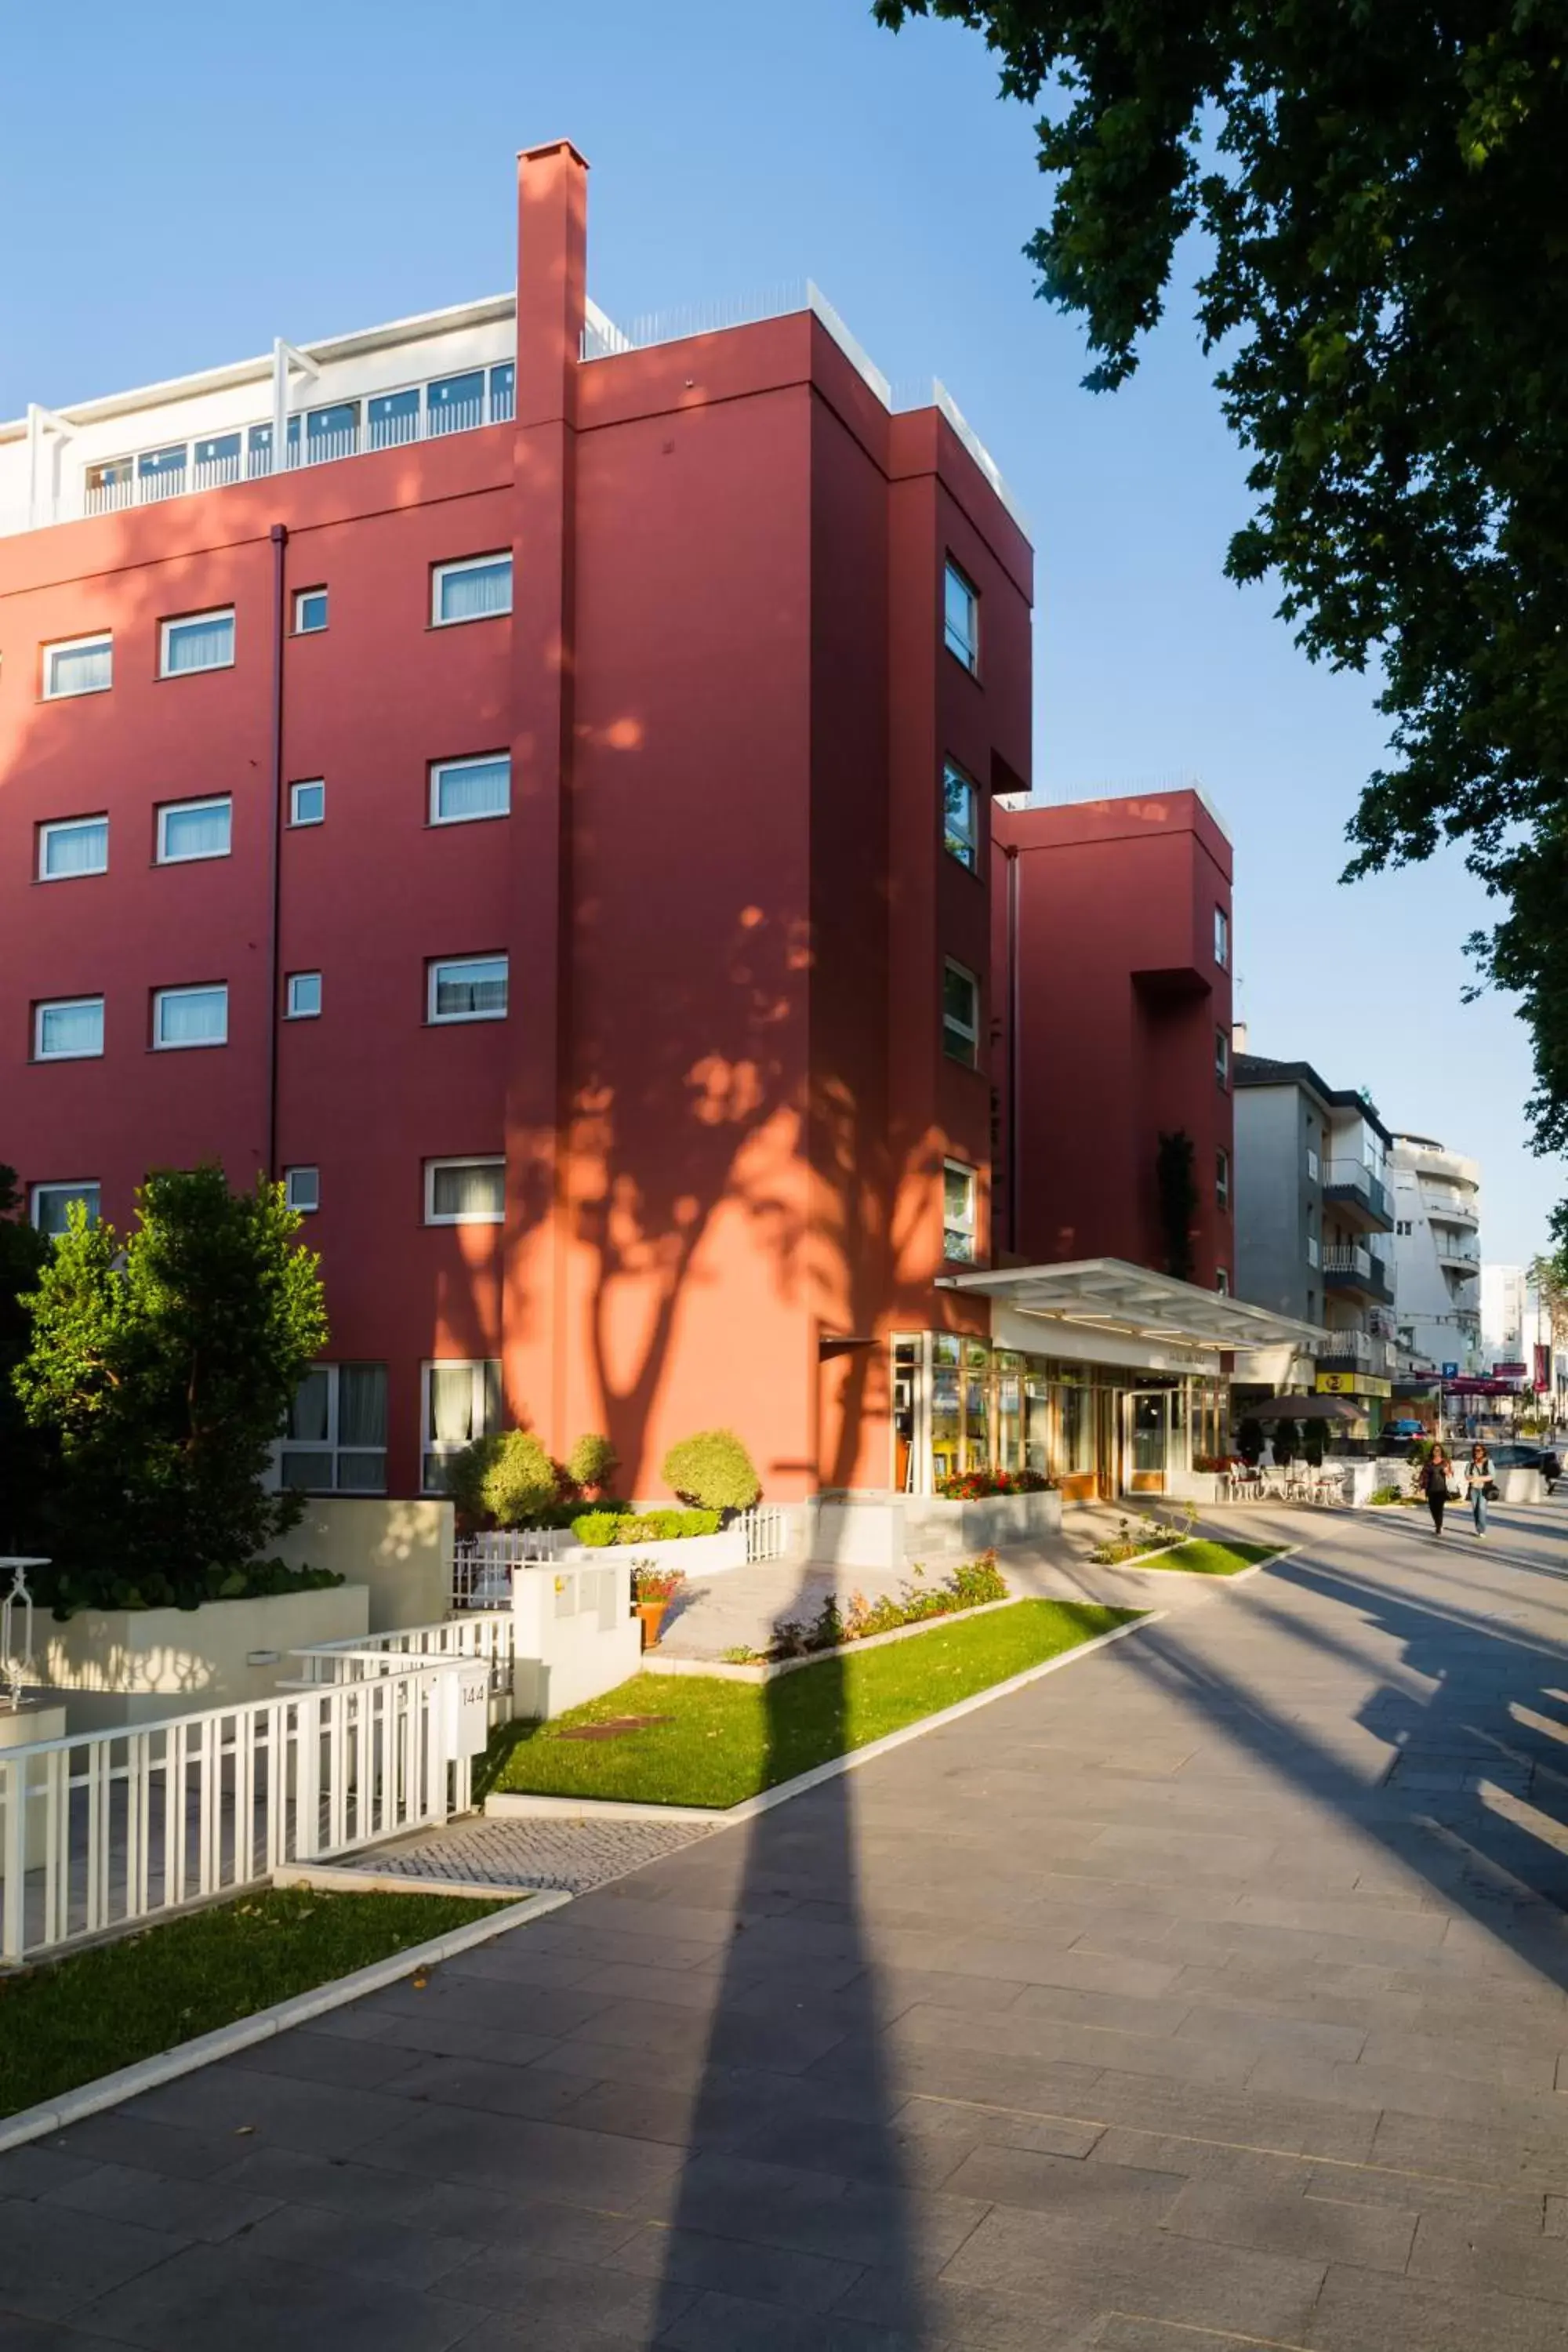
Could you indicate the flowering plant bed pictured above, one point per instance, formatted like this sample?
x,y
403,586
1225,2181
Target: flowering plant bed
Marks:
x,y
972,1586
651,1583
1132,1541
978,1485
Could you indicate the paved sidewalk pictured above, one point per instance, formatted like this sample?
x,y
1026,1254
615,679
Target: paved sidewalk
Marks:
x,y
1210,1993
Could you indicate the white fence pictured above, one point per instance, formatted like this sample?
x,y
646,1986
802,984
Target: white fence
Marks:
x,y
482,1564
480,1635
100,1832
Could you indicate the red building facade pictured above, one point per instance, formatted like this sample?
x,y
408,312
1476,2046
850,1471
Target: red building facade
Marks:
x,y
556,841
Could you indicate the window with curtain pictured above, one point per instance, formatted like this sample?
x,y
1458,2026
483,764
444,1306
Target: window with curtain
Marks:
x,y
472,590
335,1438
462,1402
190,1016
469,988
68,1028
51,1205
78,845
961,834
202,641
195,829
465,1191
462,790
85,666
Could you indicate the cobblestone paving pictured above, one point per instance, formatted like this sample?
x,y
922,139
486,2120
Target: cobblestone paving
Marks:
x,y
572,1853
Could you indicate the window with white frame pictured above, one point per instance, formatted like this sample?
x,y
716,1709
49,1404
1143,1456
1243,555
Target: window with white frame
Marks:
x,y
1221,1180
459,1403
78,666
1221,939
1222,1281
68,1029
72,845
1221,1058
960,618
308,802
961,824
335,1438
467,988
1312,1249
49,1205
1311,1165
474,590
302,996
190,1016
960,1015
302,1189
463,790
960,1199
196,641
465,1191
310,612
190,829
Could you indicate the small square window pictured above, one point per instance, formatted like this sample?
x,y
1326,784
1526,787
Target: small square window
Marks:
x,y
68,1029
308,802
302,1189
960,1015
961,828
78,666
193,829
304,995
476,589
960,619
1221,1180
467,988
462,790
1222,939
77,844
1221,1058
465,1191
310,612
50,1206
190,1016
199,641
960,1192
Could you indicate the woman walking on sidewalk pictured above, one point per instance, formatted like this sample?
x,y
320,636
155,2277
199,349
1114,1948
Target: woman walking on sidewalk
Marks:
x,y
1479,1476
1436,1475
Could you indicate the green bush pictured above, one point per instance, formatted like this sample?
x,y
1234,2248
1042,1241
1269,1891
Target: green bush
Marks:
x,y
714,1470
592,1464
64,1590
507,1479
600,1528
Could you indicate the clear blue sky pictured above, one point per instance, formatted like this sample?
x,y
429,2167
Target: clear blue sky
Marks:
x,y
216,177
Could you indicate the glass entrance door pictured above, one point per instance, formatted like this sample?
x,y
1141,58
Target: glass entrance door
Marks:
x,y
1146,1439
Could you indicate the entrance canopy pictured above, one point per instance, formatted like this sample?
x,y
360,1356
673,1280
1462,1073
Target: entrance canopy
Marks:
x,y
1107,1295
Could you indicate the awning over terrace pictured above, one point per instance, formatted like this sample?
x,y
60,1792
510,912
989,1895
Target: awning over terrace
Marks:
x,y
1109,1296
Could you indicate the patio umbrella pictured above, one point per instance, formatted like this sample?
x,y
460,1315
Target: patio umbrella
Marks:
x,y
1302,1408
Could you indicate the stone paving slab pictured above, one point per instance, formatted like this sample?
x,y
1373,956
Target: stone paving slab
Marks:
x,y
1152,2006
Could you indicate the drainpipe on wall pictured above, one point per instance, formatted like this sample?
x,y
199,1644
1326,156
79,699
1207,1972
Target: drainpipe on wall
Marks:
x,y
274,938
1015,1154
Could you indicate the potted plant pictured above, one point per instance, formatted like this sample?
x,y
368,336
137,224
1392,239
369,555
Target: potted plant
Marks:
x,y
653,1588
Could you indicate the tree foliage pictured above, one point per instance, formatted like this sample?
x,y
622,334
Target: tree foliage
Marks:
x,y
164,1361
1384,208
23,1449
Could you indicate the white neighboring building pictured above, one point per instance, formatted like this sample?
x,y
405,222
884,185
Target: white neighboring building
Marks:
x,y
1507,1307
1436,1254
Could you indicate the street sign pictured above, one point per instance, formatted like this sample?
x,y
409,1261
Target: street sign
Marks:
x,y
1450,1372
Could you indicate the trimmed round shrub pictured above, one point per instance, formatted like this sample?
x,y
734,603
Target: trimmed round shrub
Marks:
x,y
712,1471
508,1477
592,1464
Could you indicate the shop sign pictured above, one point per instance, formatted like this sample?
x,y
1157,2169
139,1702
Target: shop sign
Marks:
x,y
1352,1385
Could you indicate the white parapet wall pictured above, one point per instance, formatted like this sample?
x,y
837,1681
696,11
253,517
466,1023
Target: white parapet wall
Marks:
x,y
400,1551
574,1636
142,1665
892,1531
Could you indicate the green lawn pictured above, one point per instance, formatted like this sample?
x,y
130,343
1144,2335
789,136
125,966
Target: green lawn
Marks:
x,y
1198,1557
69,2021
723,1740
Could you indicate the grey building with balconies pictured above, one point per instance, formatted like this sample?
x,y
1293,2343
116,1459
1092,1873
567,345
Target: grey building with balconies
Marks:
x,y
1437,1254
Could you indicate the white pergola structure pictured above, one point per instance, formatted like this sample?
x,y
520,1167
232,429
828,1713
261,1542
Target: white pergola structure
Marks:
x,y
1110,1300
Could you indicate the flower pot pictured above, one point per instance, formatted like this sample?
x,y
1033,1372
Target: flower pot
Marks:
x,y
650,1614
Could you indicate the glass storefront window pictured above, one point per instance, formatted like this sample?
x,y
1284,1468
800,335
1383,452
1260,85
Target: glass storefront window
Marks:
x,y
1037,1422
945,1433
1009,1421
1078,1430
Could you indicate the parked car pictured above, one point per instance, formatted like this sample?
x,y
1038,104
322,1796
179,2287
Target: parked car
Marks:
x,y
1518,1454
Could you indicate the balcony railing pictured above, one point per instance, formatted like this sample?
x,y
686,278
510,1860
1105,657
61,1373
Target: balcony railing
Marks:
x,y
1354,1178
1357,1348
1339,1260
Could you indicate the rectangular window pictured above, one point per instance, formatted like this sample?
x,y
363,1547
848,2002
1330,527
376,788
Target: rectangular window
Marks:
x,y
1222,1281
465,1191
1312,1249
469,988
960,1192
302,1000
460,1403
961,829
393,418
960,1015
190,1016
161,471
1221,1058
1312,1166
1221,939
78,666
50,1205
462,790
960,618
1221,1180
335,1441
77,844
471,591
308,802
68,1029
302,1189
455,403
503,392
310,612
192,829
217,461
199,641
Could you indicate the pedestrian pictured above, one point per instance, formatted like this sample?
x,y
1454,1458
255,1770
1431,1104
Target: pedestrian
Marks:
x,y
1479,1476
1437,1477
